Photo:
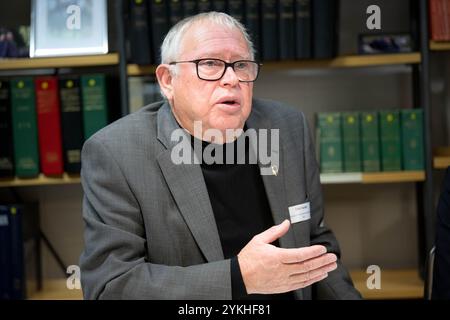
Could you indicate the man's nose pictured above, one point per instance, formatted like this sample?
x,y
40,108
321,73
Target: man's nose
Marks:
x,y
230,77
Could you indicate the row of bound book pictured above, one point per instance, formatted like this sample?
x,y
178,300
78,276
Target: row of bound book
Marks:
x,y
439,20
45,120
20,262
370,141
280,29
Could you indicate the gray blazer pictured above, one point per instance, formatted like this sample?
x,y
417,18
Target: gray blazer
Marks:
x,y
150,230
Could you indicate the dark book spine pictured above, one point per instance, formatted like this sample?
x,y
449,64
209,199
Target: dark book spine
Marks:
x,y
175,11
412,139
204,5
370,142
6,137
17,260
286,38
159,24
324,28
5,254
71,122
330,137
351,141
24,243
236,9
303,29
253,24
269,30
190,8
26,150
94,102
219,5
390,140
139,34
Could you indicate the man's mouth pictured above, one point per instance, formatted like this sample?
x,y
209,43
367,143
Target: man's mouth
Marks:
x,y
230,102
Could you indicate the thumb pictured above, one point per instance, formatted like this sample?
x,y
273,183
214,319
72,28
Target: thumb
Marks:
x,y
275,232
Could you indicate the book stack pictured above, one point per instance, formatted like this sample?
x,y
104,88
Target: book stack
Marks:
x,y
45,120
370,141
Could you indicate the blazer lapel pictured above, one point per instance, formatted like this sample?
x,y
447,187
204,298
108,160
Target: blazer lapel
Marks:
x,y
274,183
188,188
275,186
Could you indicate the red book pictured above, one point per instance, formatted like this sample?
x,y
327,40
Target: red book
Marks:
x,y
49,125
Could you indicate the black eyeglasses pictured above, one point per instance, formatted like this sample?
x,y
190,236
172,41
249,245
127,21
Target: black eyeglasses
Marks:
x,y
214,69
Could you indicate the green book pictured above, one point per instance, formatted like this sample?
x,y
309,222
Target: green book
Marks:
x,y
370,142
330,137
95,109
412,138
24,123
351,141
390,138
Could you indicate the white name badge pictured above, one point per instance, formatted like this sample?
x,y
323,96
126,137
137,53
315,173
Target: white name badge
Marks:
x,y
300,212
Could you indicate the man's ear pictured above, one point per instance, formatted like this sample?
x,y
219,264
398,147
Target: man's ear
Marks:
x,y
165,80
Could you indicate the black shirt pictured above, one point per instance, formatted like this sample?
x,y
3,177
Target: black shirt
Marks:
x,y
240,207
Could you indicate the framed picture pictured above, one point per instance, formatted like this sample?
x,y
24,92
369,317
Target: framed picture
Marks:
x,y
68,27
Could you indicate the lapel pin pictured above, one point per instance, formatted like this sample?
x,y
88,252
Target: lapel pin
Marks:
x,y
275,170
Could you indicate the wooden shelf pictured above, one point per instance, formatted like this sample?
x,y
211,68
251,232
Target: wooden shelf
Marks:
x,y
325,178
441,158
439,46
347,61
395,176
59,62
395,284
339,62
372,177
56,289
137,70
41,180
441,162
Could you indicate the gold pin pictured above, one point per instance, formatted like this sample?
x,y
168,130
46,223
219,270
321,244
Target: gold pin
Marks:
x,y
275,170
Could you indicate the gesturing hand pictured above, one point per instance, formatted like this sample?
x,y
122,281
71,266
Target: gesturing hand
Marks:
x,y
268,269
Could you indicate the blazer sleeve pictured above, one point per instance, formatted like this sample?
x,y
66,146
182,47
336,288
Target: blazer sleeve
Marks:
x,y
338,284
441,274
114,264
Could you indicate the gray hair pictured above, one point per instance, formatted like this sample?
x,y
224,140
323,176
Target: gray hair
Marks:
x,y
170,48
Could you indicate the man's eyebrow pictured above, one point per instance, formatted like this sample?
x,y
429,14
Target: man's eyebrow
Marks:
x,y
220,56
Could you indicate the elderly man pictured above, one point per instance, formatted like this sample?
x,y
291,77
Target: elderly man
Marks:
x,y
160,228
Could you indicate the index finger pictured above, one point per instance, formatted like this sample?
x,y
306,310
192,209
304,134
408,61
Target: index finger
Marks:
x,y
296,255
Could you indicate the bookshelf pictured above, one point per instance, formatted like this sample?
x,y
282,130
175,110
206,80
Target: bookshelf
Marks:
x,y
137,70
325,178
372,177
56,289
59,62
41,180
395,284
441,162
347,61
339,62
439,46
441,158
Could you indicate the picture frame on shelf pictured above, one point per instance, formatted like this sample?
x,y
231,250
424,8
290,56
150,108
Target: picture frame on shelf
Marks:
x,y
68,28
